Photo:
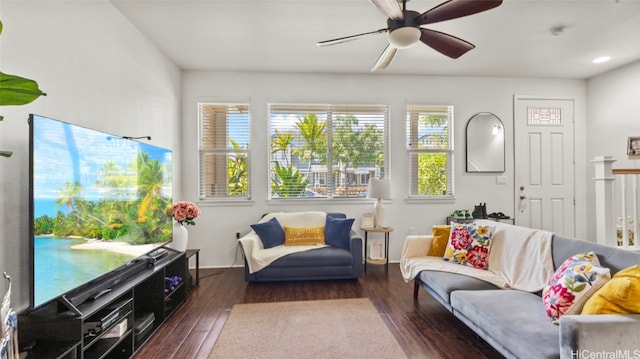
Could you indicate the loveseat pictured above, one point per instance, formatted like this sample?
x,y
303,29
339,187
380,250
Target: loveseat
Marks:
x,y
515,322
340,257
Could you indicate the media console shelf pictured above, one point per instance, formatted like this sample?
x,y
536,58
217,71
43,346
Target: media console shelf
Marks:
x,y
115,324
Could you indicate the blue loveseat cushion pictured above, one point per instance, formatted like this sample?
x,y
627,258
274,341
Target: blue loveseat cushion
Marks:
x,y
318,257
270,232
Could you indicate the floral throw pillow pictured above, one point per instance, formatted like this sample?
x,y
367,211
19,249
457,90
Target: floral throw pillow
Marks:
x,y
469,244
572,284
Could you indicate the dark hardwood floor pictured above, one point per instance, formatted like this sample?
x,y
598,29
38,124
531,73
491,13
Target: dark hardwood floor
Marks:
x,y
424,328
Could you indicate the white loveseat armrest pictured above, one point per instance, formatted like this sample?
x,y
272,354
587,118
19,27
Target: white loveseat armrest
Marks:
x,y
415,247
250,243
600,335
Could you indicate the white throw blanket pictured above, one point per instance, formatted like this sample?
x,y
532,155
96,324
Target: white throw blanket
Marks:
x,y
259,258
520,258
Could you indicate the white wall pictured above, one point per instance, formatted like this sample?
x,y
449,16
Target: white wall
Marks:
x,y
99,71
215,231
613,115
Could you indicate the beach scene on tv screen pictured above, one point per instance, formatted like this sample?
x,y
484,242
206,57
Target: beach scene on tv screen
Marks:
x,y
99,201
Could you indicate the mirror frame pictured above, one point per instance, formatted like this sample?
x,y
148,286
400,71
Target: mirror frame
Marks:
x,y
499,166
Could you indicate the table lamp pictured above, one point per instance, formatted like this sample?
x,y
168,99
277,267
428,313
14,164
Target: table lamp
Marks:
x,y
379,188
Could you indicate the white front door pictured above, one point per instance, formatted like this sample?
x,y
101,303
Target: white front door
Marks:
x,y
544,163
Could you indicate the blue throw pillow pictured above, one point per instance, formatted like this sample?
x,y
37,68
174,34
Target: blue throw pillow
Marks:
x,y
337,232
270,232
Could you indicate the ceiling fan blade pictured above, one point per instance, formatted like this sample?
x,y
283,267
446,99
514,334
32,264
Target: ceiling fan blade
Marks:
x,y
385,58
453,9
390,8
445,44
340,40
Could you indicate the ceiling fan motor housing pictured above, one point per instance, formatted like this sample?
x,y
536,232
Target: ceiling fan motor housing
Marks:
x,y
405,32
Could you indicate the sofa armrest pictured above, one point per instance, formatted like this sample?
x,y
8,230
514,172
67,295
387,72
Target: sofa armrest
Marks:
x,y
355,248
582,335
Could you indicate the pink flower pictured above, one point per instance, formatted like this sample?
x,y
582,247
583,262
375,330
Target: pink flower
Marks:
x,y
557,301
185,212
460,238
477,257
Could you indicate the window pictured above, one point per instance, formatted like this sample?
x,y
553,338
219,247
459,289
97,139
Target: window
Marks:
x,y
224,150
326,151
430,150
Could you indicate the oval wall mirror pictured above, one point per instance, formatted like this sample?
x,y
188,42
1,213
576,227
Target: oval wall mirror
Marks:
x,y
485,143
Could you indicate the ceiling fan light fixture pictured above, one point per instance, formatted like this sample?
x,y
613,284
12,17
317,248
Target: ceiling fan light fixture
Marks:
x,y
404,37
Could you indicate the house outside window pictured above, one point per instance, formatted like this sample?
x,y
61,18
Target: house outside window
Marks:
x,y
223,144
430,151
326,151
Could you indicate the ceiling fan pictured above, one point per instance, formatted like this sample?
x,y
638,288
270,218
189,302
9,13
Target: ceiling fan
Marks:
x,y
404,28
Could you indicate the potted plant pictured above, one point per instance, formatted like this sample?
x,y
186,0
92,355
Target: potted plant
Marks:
x,y
16,91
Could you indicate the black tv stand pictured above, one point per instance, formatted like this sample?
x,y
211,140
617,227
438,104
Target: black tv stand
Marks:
x,y
100,294
63,330
66,303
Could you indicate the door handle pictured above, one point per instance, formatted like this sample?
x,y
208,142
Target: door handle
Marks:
x,y
523,203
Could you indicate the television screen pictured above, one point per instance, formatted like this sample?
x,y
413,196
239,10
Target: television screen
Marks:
x,y
98,202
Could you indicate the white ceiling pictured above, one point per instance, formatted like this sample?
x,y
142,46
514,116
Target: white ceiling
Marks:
x,y
513,39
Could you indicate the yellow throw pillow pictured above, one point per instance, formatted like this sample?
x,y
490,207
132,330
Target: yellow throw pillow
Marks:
x,y
618,296
440,239
296,236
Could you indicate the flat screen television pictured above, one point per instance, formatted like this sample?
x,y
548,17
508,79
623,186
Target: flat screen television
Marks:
x,y
99,203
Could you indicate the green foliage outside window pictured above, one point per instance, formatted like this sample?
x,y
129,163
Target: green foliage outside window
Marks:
x,y
288,181
432,174
238,172
353,143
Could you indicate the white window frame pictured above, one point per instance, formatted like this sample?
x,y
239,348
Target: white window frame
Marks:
x,y
225,148
414,150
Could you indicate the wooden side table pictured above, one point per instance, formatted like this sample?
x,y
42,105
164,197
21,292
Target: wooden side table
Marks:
x,y
386,231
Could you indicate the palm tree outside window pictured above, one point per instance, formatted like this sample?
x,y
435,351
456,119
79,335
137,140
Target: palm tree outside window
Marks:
x,y
326,151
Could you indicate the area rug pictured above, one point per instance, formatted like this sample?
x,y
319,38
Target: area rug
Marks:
x,y
337,328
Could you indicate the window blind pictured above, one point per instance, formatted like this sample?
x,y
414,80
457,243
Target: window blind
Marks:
x,y
326,151
224,133
430,150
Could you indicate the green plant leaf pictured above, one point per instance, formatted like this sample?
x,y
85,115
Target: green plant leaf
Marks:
x,y
16,90
6,153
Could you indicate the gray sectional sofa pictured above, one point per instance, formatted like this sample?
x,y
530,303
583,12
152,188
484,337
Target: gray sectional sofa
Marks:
x,y
515,324
324,263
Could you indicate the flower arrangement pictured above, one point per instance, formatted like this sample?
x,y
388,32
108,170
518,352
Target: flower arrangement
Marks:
x,y
185,212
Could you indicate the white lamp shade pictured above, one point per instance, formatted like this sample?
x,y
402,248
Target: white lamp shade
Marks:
x,y
379,188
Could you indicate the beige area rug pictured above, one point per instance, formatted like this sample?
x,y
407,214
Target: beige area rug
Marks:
x,y
338,328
